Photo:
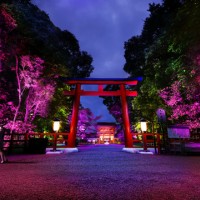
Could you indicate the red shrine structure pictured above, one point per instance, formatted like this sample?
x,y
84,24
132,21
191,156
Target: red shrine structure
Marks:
x,y
106,132
123,92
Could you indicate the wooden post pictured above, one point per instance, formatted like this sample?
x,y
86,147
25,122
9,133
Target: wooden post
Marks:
x,y
144,141
154,138
158,143
125,115
74,121
54,141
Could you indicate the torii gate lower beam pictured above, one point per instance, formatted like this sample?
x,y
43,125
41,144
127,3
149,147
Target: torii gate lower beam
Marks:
x,y
123,93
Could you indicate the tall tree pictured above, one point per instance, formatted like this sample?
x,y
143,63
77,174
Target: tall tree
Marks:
x,y
27,31
168,54
34,94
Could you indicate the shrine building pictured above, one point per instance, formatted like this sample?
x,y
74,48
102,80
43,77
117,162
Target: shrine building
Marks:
x,y
106,132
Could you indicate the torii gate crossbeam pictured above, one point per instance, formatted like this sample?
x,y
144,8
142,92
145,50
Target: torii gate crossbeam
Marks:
x,y
122,92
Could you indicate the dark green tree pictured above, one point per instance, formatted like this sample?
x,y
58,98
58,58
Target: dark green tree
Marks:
x,y
162,53
168,50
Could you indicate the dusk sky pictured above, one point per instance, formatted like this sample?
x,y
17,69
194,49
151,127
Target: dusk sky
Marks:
x,y
101,27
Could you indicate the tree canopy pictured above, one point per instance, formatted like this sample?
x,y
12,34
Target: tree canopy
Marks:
x,y
28,34
166,53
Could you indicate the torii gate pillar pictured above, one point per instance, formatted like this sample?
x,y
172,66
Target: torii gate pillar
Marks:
x,y
125,116
71,142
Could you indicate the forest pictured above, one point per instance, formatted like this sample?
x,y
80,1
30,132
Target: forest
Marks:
x,y
167,56
35,54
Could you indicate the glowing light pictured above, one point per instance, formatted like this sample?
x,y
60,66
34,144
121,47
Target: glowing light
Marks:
x,y
82,128
56,125
143,126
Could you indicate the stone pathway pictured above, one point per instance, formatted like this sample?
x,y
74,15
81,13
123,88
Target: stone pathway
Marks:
x,y
100,172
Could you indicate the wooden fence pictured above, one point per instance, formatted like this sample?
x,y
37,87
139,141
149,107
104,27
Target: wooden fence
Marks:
x,y
21,141
147,140
55,140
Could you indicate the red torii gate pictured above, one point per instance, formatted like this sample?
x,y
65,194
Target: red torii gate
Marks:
x,y
122,92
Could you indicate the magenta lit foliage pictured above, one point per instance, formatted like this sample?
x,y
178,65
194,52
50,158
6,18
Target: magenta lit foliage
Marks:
x,y
184,110
87,123
6,108
115,110
35,90
7,21
31,71
7,25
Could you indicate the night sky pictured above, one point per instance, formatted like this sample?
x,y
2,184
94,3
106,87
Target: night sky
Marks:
x,y
101,27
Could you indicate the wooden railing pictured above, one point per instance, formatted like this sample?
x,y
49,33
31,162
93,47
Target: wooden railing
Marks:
x,y
147,140
16,140
55,140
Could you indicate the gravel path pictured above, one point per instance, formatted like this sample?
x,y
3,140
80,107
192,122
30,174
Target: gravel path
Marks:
x,y
100,172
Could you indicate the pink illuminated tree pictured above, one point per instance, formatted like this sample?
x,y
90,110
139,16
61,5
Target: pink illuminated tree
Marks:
x,y
34,93
184,101
38,99
26,35
7,25
115,110
87,123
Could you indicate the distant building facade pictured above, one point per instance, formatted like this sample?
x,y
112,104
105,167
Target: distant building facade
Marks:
x,y
106,132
